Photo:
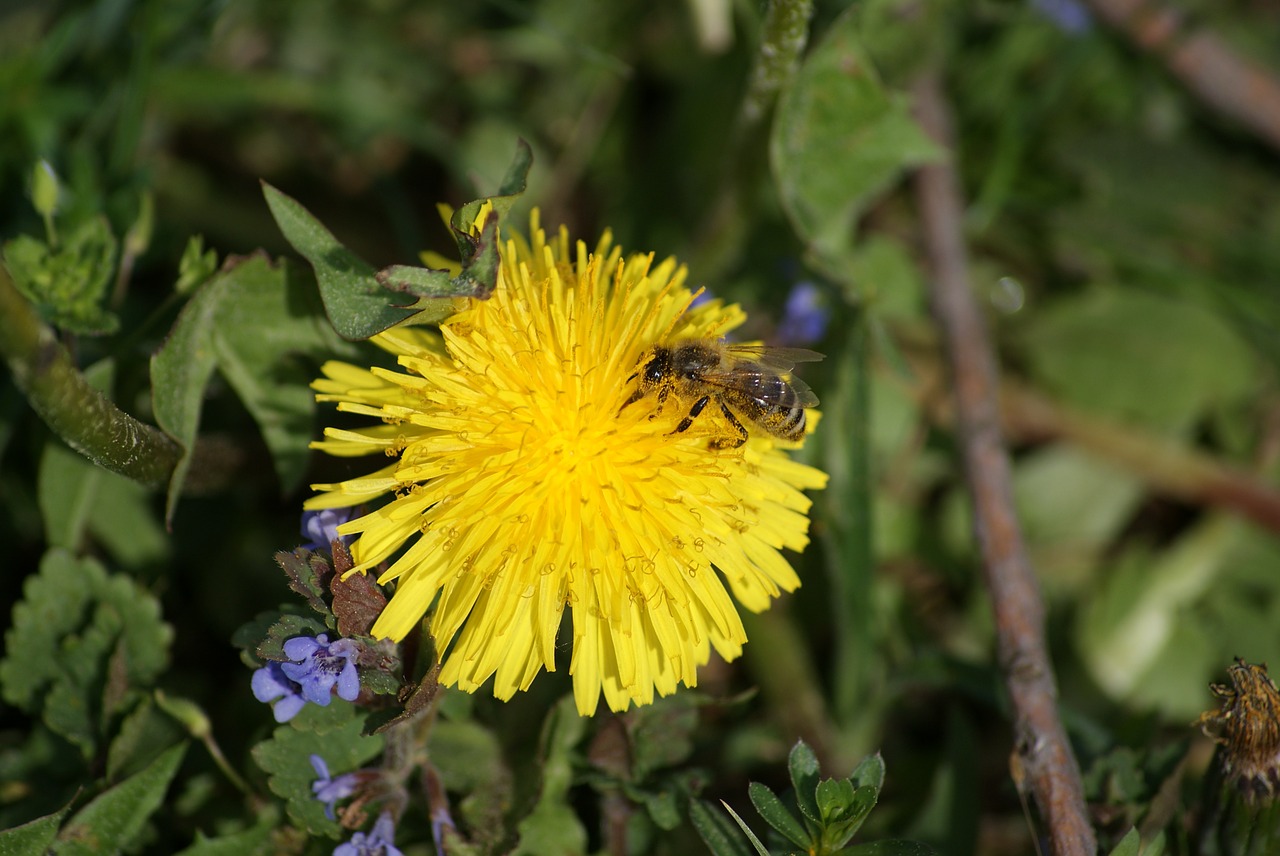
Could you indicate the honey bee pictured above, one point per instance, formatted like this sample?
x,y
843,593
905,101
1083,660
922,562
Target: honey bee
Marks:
x,y
749,382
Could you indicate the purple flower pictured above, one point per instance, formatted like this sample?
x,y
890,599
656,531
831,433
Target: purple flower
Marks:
x,y
270,683
804,320
320,528
1069,16
379,842
328,790
317,666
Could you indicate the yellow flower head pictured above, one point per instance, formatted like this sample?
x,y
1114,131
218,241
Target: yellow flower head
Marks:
x,y
521,485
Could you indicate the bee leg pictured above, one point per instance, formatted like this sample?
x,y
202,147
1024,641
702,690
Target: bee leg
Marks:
x,y
732,442
635,396
693,414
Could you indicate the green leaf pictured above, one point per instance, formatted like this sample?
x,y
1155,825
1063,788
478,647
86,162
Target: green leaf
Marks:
x,y
289,626
81,646
835,799
553,826
35,836
68,284
716,830
116,816
44,189
777,815
661,734
78,498
252,322
333,733
802,765
144,735
839,139
357,305
255,841
1139,357
869,773
196,267
1130,845
751,836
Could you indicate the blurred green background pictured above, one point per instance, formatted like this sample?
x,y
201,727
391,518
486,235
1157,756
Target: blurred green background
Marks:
x,y
1125,247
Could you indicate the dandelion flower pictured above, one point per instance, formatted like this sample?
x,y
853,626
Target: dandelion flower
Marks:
x,y
520,486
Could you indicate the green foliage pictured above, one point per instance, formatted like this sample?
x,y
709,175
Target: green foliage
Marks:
x,y
821,817
82,645
1124,242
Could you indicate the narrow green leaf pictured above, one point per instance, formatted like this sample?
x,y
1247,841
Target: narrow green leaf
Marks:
x,y
802,764
835,799
356,304
777,815
839,139
751,836
33,837
1130,845
716,831
255,841
110,822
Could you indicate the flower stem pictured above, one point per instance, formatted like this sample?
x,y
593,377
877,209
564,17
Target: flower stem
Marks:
x,y
782,40
75,411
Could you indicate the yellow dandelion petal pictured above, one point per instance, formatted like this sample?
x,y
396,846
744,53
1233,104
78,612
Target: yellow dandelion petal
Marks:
x,y
529,476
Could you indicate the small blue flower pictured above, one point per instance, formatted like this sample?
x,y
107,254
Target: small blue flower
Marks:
x,y
1069,16
270,683
328,790
320,528
804,320
379,842
318,666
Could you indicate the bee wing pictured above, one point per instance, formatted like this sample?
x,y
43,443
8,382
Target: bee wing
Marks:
x,y
781,360
763,361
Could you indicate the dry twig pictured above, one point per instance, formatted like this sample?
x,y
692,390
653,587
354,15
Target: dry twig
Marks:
x,y
1246,92
1046,758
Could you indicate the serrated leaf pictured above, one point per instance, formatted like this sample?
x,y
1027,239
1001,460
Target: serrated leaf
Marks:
x,y
303,577
289,626
67,284
777,815
802,765
357,600
357,306
716,830
333,733
114,817
35,836
72,622
839,139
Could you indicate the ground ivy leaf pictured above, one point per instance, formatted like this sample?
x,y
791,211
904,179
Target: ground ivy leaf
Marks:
x,y
303,577
661,734
356,304
839,139
357,600
333,733
289,626
72,622
114,817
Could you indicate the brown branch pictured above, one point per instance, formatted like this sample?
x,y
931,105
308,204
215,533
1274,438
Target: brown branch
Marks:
x,y
1235,87
1046,758
1166,466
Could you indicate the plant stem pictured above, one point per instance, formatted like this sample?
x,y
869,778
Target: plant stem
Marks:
x,y
75,411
